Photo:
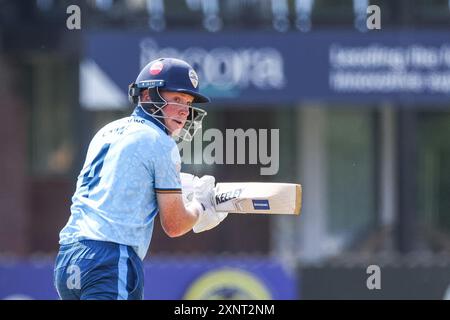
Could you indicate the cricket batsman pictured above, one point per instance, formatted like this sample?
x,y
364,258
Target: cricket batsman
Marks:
x,y
132,173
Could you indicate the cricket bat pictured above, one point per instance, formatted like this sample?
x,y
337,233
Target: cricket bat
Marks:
x,y
258,197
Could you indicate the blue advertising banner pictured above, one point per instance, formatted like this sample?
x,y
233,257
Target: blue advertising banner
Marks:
x,y
274,68
169,279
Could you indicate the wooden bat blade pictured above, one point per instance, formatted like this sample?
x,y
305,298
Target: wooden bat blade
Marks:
x,y
258,197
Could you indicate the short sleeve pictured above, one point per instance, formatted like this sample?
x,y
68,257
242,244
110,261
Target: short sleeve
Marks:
x,y
167,166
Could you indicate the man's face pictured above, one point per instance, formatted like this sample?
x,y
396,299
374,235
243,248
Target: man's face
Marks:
x,y
177,109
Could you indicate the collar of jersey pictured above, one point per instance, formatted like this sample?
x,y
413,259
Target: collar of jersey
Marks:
x,y
139,112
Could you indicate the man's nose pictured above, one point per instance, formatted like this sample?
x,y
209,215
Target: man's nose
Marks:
x,y
184,110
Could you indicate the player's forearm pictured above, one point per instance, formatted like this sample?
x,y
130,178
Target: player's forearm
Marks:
x,y
183,221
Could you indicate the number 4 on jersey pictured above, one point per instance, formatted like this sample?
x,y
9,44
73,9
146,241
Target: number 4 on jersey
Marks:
x,y
92,176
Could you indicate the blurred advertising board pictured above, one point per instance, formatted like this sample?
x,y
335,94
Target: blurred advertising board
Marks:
x,y
273,68
174,278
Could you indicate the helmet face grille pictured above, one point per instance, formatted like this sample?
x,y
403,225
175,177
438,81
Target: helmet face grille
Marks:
x,y
154,109
192,125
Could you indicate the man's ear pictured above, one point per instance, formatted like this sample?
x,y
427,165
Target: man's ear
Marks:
x,y
145,95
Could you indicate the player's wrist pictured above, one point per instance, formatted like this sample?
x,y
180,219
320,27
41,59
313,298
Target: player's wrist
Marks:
x,y
196,208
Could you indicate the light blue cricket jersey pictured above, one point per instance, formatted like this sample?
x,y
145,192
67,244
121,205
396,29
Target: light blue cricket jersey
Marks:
x,y
127,162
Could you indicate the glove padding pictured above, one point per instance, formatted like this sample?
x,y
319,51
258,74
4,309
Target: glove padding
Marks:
x,y
187,186
199,192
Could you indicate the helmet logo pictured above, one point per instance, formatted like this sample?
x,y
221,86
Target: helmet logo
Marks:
x,y
194,78
156,68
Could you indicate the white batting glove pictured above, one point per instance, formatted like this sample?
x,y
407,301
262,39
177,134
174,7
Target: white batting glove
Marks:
x,y
203,194
187,186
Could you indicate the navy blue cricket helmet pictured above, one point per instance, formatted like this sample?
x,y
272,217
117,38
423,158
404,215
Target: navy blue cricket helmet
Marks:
x,y
167,74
